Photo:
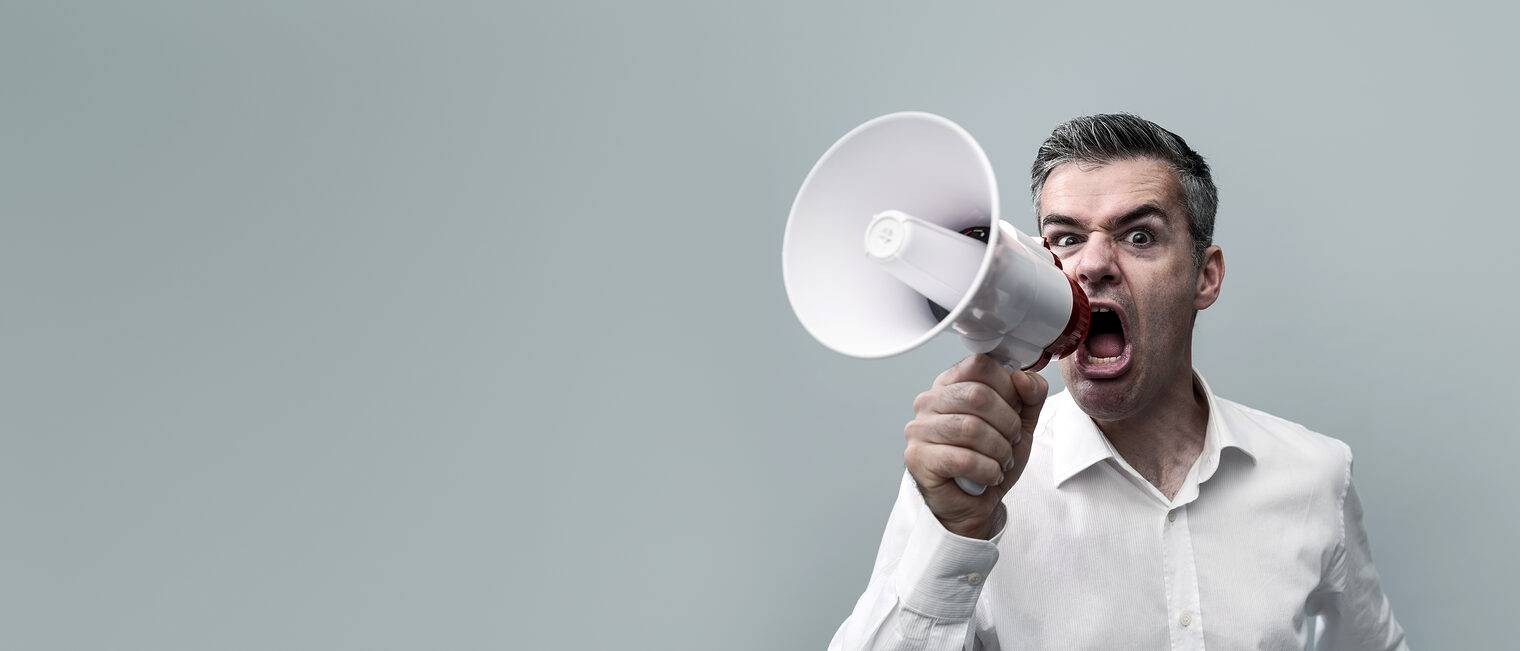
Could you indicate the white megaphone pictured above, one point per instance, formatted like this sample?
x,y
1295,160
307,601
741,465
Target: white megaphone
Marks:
x,y
895,237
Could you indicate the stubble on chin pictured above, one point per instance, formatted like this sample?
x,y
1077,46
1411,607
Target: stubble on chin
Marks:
x,y
1104,405
1100,399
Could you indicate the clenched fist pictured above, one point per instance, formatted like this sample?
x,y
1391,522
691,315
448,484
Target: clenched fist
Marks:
x,y
976,422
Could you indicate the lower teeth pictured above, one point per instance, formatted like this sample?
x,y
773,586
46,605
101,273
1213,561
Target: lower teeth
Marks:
x,y
1102,360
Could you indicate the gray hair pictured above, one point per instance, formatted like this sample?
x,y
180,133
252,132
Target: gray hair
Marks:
x,y
1098,140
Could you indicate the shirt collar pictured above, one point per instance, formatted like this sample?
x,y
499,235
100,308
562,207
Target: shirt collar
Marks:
x,y
1220,436
1078,444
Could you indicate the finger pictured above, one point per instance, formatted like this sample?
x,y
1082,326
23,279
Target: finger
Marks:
x,y
961,430
962,398
948,462
1030,388
973,398
979,368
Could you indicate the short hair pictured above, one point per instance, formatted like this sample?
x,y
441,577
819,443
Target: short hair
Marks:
x,y
1098,140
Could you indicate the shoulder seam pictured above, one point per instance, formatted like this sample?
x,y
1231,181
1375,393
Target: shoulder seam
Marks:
x,y
1257,412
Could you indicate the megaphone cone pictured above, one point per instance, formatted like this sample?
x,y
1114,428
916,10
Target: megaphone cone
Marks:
x,y
876,239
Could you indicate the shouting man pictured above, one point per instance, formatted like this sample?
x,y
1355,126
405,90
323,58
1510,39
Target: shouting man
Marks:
x,y
1136,510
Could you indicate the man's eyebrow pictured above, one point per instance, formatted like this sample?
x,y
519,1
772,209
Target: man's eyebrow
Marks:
x,y
1139,213
1054,219
1147,210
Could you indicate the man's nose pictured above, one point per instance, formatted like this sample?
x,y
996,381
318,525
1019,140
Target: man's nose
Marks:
x,y
1095,263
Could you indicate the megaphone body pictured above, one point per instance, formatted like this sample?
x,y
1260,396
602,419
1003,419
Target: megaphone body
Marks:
x,y
900,216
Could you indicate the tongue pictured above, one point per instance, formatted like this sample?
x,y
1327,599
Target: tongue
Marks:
x,y
1107,344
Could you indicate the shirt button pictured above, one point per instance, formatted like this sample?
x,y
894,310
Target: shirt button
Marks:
x,y
1171,516
1185,620
974,578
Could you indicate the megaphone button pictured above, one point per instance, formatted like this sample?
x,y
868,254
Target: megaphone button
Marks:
x,y
885,237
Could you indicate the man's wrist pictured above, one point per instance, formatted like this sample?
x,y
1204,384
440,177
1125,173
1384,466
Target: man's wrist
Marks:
x,y
985,530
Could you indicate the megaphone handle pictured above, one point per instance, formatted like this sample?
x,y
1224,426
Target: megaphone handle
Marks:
x,y
972,488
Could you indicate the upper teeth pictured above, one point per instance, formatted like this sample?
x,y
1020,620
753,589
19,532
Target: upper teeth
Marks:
x,y
1101,309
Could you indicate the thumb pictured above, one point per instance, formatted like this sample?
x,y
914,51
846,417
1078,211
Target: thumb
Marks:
x,y
1030,389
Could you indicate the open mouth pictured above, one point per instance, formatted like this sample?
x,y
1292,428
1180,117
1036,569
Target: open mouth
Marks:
x,y
1105,337
1106,351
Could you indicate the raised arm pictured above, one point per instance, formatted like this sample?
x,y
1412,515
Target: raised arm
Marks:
x,y
940,542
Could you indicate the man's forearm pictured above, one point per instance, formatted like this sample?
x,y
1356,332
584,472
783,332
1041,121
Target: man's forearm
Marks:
x,y
925,586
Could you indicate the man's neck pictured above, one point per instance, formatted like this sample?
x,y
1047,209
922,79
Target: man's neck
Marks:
x,y
1163,441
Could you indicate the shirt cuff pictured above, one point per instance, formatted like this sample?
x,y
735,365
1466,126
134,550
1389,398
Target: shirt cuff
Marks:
x,y
941,574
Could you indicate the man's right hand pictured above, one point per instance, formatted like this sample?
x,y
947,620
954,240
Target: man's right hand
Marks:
x,y
976,422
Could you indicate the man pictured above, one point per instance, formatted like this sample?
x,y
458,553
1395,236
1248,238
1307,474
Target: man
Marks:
x,y
1137,510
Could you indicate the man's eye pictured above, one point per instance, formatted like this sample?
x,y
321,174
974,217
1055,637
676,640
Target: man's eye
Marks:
x,y
1138,237
1063,240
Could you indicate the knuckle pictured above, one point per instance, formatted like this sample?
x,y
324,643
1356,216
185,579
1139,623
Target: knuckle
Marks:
x,y
971,395
967,428
914,430
962,462
944,463
932,460
922,460
979,396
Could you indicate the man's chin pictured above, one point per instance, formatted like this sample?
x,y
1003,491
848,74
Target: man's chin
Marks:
x,y
1104,396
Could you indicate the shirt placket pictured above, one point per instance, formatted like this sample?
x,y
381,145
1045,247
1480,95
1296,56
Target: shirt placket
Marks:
x,y
1185,620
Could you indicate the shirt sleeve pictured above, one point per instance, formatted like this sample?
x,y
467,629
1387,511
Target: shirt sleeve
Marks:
x,y
924,587
1350,600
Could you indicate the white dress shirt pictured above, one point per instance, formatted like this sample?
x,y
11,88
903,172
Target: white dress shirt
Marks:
x,y
1265,533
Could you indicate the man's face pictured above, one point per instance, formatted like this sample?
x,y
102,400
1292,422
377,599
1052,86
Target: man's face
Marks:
x,y
1121,231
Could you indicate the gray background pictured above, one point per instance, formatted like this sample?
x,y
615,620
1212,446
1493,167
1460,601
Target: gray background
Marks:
x,y
460,325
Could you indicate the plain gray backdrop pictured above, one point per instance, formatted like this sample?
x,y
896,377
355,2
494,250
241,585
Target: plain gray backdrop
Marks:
x,y
460,325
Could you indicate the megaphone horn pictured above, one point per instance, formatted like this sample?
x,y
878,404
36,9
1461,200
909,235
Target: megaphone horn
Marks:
x,y
900,217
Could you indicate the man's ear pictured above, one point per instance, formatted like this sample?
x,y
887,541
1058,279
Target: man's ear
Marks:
x,y
1210,278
